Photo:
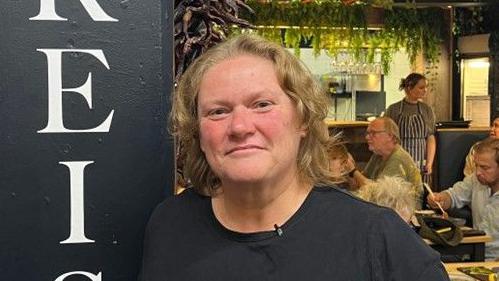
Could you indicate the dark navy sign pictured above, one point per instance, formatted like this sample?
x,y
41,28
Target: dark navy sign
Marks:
x,y
84,150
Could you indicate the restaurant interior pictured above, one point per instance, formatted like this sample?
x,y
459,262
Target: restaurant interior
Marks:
x,y
359,51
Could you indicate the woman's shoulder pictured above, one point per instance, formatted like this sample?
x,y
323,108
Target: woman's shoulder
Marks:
x,y
398,103
393,109
394,106
342,200
180,205
351,214
387,237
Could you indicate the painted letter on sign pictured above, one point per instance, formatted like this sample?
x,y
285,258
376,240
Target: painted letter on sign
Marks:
x,y
55,122
77,229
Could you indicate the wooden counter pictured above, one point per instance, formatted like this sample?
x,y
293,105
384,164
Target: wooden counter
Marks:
x,y
353,134
346,124
352,131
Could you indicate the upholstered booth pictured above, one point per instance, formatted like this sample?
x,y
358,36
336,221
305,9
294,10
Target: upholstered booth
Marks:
x,y
452,147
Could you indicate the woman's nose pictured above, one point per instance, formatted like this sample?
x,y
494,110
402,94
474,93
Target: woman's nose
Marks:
x,y
241,122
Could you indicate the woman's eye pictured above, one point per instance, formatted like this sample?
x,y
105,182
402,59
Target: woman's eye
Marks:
x,y
217,112
263,105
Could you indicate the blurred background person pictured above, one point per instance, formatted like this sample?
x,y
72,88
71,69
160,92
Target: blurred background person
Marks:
x,y
469,167
391,192
389,158
416,121
338,165
480,191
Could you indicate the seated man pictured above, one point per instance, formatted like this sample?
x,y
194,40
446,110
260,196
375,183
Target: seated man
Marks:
x,y
391,192
389,158
481,191
469,168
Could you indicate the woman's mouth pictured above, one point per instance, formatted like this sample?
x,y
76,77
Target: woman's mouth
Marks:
x,y
243,148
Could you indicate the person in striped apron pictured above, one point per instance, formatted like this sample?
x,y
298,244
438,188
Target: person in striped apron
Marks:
x,y
416,121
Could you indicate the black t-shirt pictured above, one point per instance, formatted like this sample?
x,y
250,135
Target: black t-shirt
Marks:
x,y
333,236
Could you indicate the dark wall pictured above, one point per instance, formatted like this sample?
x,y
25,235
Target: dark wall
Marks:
x,y
452,147
115,176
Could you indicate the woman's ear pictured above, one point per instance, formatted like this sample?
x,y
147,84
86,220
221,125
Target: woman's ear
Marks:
x,y
303,130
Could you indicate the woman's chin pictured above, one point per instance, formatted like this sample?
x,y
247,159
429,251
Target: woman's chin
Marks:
x,y
244,176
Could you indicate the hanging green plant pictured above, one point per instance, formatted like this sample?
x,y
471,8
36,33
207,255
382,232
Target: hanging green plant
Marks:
x,y
417,30
330,25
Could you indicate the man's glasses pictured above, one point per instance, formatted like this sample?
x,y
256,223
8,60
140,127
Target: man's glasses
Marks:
x,y
374,132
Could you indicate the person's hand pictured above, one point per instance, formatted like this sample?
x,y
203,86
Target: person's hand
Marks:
x,y
428,169
441,197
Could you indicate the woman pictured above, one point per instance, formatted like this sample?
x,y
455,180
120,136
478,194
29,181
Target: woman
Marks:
x,y
251,118
416,121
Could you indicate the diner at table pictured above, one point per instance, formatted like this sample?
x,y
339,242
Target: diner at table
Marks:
x,y
388,158
469,167
480,191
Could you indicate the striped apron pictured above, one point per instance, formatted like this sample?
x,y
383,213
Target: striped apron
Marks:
x,y
413,133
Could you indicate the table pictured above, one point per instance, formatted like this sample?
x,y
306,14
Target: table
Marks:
x,y
451,268
472,245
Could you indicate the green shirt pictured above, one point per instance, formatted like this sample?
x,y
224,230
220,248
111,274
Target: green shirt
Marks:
x,y
399,164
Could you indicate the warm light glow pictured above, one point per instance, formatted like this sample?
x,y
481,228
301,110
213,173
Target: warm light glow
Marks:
x,y
479,64
372,80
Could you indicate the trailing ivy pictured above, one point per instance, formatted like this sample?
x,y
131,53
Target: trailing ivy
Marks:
x,y
313,14
332,26
417,30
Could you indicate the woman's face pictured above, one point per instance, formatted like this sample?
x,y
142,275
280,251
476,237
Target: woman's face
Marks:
x,y
418,91
249,128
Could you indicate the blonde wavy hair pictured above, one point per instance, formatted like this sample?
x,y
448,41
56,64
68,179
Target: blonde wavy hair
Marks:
x,y
296,81
391,192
